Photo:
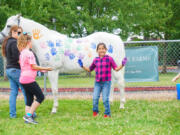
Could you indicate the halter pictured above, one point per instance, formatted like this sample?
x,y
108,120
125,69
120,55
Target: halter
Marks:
x,y
19,21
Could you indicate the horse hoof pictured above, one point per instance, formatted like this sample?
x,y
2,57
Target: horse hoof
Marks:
x,y
111,102
121,107
53,112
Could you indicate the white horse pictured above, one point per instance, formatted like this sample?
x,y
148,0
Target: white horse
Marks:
x,y
62,53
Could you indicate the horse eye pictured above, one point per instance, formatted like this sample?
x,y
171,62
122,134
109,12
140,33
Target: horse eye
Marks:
x,y
8,26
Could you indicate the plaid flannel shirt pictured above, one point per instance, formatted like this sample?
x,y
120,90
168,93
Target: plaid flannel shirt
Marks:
x,y
103,67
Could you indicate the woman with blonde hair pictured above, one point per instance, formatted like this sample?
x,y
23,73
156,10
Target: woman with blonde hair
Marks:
x,y
28,74
11,53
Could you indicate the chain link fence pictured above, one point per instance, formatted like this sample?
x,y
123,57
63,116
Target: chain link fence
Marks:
x,y
2,67
168,55
169,52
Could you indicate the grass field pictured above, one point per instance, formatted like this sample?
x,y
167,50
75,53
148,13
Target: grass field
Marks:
x,y
70,81
75,118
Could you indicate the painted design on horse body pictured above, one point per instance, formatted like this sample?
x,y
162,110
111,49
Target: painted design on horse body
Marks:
x,y
43,45
70,40
86,48
61,51
78,41
86,40
50,43
78,48
47,56
110,49
36,34
93,46
81,56
89,54
71,56
67,46
53,51
59,43
74,51
68,43
67,52
57,58
67,49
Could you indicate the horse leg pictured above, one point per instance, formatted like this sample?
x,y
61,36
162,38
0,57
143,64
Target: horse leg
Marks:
x,y
121,86
53,78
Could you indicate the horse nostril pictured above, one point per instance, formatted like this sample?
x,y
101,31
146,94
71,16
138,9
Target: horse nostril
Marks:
x,y
8,26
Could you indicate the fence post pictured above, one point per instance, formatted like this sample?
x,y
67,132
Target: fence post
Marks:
x,y
45,88
4,67
164,58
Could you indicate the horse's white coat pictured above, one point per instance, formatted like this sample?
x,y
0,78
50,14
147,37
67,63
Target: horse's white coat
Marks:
x,y
62,53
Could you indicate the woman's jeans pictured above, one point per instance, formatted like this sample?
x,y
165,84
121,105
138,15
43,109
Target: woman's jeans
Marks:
x,y
13,75
105,88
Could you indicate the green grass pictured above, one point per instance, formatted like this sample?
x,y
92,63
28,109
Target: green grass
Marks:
x,y
74,117
69,81
164,80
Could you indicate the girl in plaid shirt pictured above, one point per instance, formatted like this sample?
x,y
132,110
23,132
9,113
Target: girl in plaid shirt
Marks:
x,y
102,66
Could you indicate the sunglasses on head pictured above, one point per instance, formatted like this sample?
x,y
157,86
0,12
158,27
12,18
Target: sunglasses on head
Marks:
x,y
24,33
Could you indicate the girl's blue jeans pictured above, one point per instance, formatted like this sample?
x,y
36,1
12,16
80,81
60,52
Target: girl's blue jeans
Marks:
x,y
105,88
13,75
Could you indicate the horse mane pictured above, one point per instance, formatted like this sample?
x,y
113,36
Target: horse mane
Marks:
x,y
31,22
42,26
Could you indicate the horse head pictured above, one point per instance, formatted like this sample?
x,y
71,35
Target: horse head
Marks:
x,y
13,20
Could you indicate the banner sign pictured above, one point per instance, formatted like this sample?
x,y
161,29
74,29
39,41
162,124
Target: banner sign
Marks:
x,y
142,65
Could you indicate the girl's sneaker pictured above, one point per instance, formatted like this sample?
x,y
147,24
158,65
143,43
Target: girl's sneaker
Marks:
x,y
107,116
95,114
34,115
29,120
26,122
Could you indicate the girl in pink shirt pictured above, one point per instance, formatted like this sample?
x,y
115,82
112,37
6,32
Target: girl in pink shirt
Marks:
x,y
28,75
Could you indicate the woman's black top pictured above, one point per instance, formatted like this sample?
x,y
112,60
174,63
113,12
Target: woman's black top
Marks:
x,y
12,54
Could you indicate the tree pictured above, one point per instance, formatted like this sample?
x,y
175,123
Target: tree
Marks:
x,y
149,18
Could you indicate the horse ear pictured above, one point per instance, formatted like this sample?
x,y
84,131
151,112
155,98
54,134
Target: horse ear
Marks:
x,y
18,15
18,19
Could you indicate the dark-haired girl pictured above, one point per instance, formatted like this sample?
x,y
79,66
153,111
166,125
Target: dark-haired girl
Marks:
x,y
102,65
